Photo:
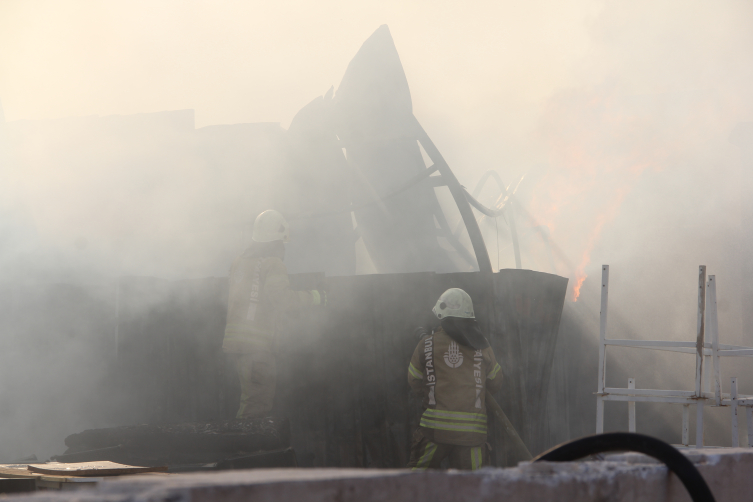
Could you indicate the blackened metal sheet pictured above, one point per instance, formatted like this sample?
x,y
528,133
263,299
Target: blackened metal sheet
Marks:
x,y
374,121
316,179
528,311
342,371
170,362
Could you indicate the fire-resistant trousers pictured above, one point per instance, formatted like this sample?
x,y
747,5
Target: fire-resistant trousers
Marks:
x,y
257,373
425,454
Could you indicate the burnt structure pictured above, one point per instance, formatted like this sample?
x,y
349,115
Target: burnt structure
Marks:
x,y
373,117
342,372
220,444
367,134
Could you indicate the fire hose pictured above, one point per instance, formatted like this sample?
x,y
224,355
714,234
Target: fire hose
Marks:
x,y
675,461
518,446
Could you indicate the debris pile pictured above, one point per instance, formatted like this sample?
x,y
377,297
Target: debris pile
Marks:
x,y
178,444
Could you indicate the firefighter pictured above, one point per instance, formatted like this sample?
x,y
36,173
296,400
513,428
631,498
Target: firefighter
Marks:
x,y
452,369
259,293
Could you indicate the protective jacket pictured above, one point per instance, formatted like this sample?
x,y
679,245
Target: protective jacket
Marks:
x,y
453,379
259,293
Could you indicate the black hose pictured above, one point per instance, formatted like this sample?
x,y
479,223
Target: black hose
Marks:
x,y
625,441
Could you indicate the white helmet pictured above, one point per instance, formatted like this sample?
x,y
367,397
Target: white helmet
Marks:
x,y
271,226
454,303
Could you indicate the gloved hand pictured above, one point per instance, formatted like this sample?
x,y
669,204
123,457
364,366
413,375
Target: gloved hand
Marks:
x,y
420,332
319,297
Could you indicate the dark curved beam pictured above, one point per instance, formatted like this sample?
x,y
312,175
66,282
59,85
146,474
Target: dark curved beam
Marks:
x,y
491,213
476,191
482,181
459,194
444,225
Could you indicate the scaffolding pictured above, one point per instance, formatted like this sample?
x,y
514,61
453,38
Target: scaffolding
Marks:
x,y
706,352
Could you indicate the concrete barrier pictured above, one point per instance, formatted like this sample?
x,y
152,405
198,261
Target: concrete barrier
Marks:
x,y
620,478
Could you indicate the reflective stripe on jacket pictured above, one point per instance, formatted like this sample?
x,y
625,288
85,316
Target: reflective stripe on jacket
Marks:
x,y
453,380
259,292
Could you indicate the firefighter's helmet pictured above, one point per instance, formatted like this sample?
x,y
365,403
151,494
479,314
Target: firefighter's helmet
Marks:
x,y
454,303
271,226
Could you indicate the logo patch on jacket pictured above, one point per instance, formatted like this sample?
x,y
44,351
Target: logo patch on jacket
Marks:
x,y
453,357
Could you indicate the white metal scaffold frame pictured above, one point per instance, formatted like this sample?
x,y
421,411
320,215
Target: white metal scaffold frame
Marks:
x,y
706,352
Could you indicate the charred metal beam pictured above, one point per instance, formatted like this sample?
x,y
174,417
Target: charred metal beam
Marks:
x,y
459,194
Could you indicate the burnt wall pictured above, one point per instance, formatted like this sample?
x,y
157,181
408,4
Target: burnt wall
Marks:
x,y
341,370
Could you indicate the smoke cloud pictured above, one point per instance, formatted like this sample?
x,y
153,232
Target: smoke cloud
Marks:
x,y
616,116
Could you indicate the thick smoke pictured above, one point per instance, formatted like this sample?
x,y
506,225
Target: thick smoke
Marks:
x,y
616,116
641,174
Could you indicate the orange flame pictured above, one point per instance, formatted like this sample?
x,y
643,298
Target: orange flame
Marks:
x,y
600,144
578,283
604,218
